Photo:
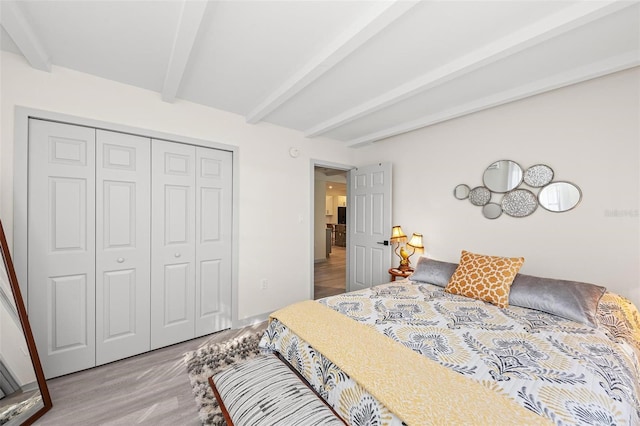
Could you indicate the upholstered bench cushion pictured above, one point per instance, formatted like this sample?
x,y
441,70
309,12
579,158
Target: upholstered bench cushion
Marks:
x,y
264,391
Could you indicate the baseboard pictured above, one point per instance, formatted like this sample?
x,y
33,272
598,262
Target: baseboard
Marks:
x,y
246,322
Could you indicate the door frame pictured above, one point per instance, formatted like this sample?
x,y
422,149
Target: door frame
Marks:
x,y
336,166
21,185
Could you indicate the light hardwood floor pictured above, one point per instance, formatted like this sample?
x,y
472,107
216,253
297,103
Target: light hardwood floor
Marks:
x,y
148,389
330,276
154,388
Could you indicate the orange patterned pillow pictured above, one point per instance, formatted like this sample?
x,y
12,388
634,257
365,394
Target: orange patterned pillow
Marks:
x,y
485,278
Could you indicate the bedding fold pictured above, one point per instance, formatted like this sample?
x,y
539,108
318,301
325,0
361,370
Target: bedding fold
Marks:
x,y
422,392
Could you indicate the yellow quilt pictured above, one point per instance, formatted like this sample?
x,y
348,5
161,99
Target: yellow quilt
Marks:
x,y
422,392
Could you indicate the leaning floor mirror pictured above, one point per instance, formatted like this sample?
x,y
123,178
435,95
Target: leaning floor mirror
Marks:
x,y
24,396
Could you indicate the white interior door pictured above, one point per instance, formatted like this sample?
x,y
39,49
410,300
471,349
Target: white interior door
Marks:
x,y
61,272
123,246
213,242
173,243
370,205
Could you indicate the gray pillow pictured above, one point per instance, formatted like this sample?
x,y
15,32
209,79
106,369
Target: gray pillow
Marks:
x,y
433,271
567,299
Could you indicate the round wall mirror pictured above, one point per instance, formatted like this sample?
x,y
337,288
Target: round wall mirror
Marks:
x,y
559,196
461,192
502,176
492,210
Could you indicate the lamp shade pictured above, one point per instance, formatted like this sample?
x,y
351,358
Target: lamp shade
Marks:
x,y
416,241
397,235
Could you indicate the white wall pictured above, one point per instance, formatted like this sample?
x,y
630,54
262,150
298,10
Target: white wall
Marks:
x,y
275,189
588,133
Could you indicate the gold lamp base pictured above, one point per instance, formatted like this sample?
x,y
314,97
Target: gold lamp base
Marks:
x,y
404,268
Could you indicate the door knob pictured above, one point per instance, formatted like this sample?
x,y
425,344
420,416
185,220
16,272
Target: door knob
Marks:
x,y
120,259
177,255
384,243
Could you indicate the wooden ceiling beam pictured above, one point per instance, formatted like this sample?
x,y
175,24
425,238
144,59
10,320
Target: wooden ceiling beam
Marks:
x,y
188,26
359,33
16,24
538,32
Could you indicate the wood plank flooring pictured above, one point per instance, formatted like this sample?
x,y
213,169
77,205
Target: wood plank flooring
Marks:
x,y
148,389
330,276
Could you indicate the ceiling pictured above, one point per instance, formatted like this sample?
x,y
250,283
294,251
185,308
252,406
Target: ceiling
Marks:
x,y
355,71
332,177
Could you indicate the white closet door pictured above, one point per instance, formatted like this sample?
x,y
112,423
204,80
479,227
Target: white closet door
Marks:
x,y
213,245
123,246
61,272
173,243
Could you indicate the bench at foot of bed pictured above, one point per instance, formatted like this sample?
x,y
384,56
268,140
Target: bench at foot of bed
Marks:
x,y
266,391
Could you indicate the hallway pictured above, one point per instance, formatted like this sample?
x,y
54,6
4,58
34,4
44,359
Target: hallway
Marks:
x,y
330,276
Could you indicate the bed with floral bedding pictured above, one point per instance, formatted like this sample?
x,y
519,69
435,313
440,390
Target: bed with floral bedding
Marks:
x,y
566,371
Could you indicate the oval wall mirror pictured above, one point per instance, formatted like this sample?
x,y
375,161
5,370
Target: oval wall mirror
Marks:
x,y
502,176
559,196
24,396
461,192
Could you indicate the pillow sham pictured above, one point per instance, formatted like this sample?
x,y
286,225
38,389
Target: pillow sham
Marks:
x,y
486,278
433,271
572,300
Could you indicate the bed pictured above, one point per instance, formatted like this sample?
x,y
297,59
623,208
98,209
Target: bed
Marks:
x,y
584,370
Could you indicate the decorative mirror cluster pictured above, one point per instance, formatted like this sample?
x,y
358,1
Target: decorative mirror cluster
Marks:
x,y
506,177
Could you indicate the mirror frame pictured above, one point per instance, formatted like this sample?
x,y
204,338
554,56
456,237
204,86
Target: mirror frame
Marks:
x,y
26,328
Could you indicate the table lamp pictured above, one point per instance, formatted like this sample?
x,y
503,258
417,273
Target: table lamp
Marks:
x,y
398,237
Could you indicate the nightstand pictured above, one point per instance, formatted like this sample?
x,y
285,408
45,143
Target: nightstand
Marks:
x,y
395,272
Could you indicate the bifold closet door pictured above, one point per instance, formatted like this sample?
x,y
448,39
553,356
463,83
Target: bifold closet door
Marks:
x,y
61,271
213,246
191,242
123,245
173,243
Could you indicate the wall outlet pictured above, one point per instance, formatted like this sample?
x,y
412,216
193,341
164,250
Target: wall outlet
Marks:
x,y
264,284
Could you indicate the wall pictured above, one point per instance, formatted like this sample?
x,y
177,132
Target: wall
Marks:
x,y
588,133
274,189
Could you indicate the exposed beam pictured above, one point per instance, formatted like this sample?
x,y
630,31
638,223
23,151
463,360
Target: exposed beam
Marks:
x,y
538,32
188,26
17,25
364,29
587,72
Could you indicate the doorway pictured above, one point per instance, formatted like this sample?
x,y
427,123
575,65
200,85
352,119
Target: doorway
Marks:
x,y
330,224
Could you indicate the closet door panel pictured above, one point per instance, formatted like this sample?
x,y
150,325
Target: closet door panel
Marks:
x,y
176,292
123,245
61,272
213,245
68,295
173,243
